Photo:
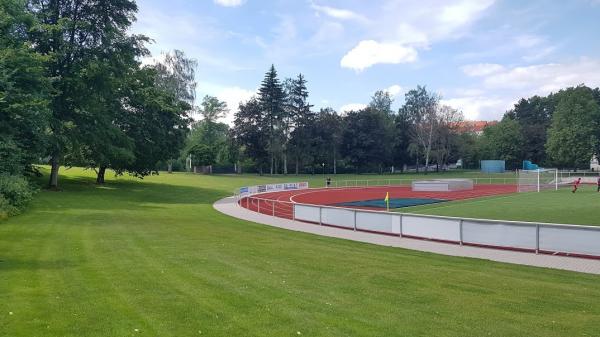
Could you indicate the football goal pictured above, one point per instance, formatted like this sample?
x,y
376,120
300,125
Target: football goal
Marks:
x,y
538,180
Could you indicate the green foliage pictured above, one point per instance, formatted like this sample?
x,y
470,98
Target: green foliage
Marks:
x,y
203,154
503,141
15,193
533,115
382,102
367,139
23,92
157,122
575,132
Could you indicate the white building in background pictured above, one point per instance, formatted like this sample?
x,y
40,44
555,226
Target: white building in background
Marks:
x,y
594,164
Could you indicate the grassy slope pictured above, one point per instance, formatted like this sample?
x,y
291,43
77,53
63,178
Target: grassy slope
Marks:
x,y
560,206
155,256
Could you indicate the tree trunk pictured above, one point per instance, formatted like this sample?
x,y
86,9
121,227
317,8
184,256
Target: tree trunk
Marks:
x,y
170,167
297,166
54,172
285,163
101,174
272,163
334,164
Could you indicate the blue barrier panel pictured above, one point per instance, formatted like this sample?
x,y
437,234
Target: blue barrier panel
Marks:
x,y
493,166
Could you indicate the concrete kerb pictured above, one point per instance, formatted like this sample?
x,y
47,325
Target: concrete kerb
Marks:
x,y
230,207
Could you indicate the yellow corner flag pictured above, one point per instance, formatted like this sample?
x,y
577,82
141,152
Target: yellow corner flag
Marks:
x,y
387,200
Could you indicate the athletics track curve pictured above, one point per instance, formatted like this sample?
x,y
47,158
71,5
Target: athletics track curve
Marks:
x,y
280,203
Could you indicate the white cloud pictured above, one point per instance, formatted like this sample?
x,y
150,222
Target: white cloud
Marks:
x,y
461,13
402,28
338,13
544,78
368,53
352,107
233,96
229,3
503,87
479,107
481,69
394,90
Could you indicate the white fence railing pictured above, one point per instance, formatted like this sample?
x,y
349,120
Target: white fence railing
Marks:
x,y
401,182
560,239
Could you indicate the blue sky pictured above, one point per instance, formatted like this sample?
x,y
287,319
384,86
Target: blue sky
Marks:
x,y
481,56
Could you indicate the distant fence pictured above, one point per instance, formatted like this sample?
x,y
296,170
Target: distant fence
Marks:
x,y
408,182
574,240
249,190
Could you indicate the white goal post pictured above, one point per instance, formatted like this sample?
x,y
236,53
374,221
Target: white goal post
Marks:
x,y
537,180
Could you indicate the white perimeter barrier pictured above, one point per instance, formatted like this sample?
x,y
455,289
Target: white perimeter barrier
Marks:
x,y
538,237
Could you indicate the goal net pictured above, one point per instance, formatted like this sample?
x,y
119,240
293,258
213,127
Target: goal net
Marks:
x,y
538,180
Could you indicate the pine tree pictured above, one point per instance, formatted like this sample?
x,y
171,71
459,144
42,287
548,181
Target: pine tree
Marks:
x,y
271,98
303,120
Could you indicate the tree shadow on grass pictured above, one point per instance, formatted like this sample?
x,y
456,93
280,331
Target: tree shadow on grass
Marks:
x,y
35,265
80,193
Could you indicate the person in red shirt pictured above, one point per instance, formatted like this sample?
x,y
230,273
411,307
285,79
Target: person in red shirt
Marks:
x,y
576,185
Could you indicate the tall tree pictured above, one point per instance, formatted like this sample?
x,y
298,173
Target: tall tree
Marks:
x,y
177,74
327,137
422,107
157,122
301,120
503,141
382,101
574,135
366,140
446,138
533,115
402,138
251,132
271,98
23,91
73,35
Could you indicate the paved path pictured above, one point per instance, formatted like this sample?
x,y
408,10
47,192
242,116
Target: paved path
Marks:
x,y
228,206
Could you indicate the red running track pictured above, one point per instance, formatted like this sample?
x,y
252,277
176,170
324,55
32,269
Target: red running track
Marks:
x,y
280,203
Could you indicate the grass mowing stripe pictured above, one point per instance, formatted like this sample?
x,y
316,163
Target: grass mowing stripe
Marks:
x,y
103,251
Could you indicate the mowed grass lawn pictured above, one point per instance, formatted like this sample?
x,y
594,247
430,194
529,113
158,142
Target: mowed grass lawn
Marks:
x,y
152,258
562,206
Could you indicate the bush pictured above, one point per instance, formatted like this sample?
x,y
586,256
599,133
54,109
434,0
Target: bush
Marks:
x,y
15,193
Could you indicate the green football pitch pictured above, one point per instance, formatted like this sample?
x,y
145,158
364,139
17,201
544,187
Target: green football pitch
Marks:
x,y
153,258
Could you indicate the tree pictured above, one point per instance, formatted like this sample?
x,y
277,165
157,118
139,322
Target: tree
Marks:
x,y
271,98
366,140
421,108
503,141
327,137
301,120
533,115
382,101
157,122
446,138
24,95
202,155
74,34
176,73
402,138
574,134
251,132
